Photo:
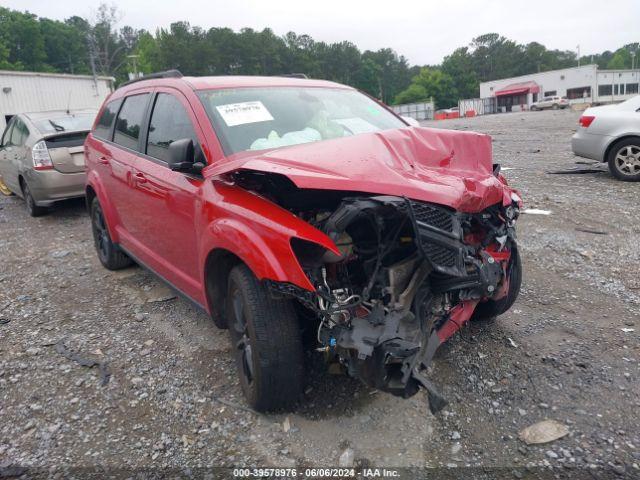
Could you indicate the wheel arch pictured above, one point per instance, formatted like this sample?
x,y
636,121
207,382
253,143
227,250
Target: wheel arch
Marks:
x,y
21,182
90,194
614,142
266,255
94,189
217,267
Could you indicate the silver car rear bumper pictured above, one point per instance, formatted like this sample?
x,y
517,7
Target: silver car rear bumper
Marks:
x,y
590,145
49,186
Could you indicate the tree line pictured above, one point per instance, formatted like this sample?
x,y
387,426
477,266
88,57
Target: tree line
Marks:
x,y
81,46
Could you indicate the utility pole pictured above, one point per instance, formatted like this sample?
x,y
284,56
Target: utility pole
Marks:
x,y
92,61
134,59
578,47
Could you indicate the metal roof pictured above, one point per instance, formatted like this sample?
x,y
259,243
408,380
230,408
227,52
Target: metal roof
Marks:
x,y
55,75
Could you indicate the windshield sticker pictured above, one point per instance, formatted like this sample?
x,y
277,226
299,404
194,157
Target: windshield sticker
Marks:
x,y
235,114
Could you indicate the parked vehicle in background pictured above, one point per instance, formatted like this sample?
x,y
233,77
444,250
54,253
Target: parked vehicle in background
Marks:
x,y
42,156
611,133
294,209
554,103
447,113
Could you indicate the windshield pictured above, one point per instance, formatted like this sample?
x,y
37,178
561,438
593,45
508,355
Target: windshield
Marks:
x,y
262,118
65,123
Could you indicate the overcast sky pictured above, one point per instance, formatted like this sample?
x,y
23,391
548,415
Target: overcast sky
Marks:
x,y
424,31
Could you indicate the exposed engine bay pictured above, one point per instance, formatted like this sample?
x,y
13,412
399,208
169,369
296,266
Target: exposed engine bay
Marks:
x,y
409,274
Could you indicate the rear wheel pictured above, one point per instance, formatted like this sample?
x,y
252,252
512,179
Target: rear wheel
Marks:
x,y
555,106
267,344
493,308
534,108
624,160
33,209
109,253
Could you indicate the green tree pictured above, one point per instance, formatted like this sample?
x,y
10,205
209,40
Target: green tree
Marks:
x,y
413,94
366,78
430,83
21,36
393,76
621,59
459,66
65,47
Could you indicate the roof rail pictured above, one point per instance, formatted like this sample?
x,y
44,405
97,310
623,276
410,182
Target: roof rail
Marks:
x,y
166,74
293,75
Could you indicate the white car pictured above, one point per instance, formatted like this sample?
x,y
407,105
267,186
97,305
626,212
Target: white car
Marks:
x,y
611,133
554,102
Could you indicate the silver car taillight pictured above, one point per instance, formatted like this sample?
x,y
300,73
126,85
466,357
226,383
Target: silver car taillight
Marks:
x,y
41,157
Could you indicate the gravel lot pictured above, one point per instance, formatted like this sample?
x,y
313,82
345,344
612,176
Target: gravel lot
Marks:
x,y
163,392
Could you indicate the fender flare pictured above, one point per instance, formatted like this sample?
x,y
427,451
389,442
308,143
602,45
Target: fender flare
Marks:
x,y
110,214
273,260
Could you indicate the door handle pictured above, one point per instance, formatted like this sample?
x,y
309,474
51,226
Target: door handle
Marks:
x,y
103,160
140,178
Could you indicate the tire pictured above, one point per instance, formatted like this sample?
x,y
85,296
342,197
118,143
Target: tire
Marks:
x,y
33,209
267,343
493,308
624,160
109,254
534,108
555,106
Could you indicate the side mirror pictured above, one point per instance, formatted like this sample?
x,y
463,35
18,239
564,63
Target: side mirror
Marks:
x,y
181,154
411,121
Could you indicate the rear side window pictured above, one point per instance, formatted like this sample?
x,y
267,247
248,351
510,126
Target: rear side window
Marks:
x,y
104,127
7,134
129,121
19,134
169,122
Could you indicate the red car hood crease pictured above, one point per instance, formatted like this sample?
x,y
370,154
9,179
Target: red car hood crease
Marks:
x,y
446,167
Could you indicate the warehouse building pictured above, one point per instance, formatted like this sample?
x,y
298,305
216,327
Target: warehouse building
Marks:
x,y
22,92
585,84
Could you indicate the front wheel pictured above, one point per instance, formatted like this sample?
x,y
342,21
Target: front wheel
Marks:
x,y
109,253
493,308
266,341
624,160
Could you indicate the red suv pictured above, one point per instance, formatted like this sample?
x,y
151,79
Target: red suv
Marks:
x,y
304,214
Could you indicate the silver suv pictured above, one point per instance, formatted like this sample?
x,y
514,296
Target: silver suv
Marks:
x,y
553,102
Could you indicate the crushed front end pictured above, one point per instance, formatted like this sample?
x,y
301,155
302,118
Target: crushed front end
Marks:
x,y
408,276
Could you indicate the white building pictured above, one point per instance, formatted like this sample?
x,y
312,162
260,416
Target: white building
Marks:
x,y
578,84
22,92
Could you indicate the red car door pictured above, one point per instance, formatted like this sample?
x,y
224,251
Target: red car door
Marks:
x,y
117,162
165,202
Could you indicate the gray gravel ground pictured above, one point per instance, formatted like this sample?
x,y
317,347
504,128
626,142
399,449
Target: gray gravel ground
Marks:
x,y
163,392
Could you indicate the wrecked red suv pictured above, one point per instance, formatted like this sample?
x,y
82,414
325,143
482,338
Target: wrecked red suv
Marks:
x,y
285,206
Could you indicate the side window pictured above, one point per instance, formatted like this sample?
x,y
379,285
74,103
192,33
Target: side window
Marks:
x,y
129,121
6,136
169,122
104,127
19,134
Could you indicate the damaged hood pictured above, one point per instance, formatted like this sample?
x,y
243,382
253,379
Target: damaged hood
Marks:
x,y
446,167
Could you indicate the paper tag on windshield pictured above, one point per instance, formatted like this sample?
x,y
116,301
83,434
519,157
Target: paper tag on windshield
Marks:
x,y
246,112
